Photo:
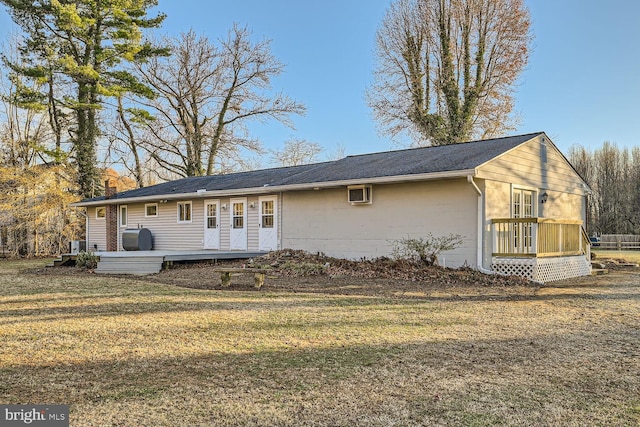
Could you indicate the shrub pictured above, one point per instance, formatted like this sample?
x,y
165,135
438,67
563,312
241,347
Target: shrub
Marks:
x,y
87,260
424,250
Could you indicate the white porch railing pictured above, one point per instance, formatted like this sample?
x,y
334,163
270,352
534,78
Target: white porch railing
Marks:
x,y
538,237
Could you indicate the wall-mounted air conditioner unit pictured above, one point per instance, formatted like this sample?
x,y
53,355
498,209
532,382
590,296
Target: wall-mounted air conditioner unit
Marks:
x,y
359,194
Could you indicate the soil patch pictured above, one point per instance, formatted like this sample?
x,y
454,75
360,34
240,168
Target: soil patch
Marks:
x,y
299,271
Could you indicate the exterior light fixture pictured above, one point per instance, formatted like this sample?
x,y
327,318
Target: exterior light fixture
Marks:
x,y
544,197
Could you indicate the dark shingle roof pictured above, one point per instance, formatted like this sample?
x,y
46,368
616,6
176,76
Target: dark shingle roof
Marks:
x,y
424,160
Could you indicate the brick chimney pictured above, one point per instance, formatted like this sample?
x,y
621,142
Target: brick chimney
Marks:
x,y
111,217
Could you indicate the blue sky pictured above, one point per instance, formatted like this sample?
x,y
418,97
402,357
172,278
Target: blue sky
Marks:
x,y
581,85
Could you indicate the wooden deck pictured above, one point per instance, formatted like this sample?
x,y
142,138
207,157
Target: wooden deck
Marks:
x,y
151,262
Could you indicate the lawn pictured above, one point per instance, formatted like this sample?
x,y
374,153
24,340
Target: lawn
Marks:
x,y
630,256
130,352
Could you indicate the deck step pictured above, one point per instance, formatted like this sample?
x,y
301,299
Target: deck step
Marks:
x,y
130,265
65,260
628,264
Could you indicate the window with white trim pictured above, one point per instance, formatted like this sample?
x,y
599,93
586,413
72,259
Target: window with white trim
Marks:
x,y
101,212
184,212
150,210
238,215
268,214
123,216
523,206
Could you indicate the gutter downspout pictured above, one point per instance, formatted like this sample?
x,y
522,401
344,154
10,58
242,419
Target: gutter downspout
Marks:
x,y
480,227
280,221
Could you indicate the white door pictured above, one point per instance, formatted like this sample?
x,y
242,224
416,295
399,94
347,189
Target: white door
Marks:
x,y
238,234
267,224
212,224
523,207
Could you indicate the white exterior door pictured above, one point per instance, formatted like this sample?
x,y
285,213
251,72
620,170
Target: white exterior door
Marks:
x,y
523,207
268,224
238,234
211,224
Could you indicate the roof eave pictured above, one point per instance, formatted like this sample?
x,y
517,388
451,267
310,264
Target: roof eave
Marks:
x,y
281,188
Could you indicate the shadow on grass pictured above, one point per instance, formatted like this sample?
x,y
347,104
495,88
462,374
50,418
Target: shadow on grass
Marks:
x,y
150,302
578,373
450,380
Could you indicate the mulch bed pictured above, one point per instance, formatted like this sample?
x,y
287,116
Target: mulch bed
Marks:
x,y
299,271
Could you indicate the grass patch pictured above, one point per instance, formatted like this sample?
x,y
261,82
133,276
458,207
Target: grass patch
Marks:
x,y
629,256
124,351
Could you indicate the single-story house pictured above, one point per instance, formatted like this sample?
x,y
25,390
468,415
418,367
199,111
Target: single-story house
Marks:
x,y
517,201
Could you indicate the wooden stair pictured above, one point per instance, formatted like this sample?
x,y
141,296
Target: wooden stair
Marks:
x,y
130,265
65,260
598,268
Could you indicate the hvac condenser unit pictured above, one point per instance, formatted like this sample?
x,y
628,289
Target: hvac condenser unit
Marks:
x,y
77,246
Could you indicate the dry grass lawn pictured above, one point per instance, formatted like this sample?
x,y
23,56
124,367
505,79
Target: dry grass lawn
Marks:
x,y
630,256
128,352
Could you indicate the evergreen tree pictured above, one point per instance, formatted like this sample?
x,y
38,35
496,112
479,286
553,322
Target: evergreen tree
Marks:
x,y
85,42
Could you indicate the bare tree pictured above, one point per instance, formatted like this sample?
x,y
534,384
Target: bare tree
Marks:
x,y
126,136
584,163
296,152
614,177
207,95
447,68
338,153
34,178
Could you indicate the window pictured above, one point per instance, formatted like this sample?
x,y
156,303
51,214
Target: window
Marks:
x,y
123,216
150,210
101,212
523,203
184,211
267,214
238,215
212,215
523,207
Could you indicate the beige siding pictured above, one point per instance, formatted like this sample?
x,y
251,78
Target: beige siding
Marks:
x,y
97,233
558,206
564,206
497,199
324,221
252,220
225,224
526,166
168,234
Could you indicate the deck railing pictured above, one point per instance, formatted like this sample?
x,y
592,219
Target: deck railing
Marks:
x,y
538,237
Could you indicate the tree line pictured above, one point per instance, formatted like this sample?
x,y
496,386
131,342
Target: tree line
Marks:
x,y
614,177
